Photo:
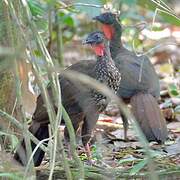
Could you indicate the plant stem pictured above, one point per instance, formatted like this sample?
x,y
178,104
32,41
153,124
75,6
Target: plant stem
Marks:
x,y
12,33
20,126
59,40
73,142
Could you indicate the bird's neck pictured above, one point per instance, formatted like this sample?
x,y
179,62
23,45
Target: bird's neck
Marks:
x,y
102,59
115,42
106,56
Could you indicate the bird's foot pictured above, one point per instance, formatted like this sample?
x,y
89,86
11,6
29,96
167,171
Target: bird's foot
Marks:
x,y
90,162
88,151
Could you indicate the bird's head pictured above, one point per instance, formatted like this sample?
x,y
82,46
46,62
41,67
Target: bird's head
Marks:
x,y
110,24
97,41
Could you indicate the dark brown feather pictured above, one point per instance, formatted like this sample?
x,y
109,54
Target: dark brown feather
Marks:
x,y
149,116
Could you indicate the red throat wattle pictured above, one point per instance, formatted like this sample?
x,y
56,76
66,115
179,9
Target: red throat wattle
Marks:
x,y
108,31
98,49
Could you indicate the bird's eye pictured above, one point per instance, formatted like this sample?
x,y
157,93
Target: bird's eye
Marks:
x,y
97,36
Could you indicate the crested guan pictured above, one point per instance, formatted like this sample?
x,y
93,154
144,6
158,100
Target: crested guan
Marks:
x,y
82,103
139,81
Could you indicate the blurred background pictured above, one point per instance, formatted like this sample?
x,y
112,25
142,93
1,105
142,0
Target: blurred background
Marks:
x,y
31,30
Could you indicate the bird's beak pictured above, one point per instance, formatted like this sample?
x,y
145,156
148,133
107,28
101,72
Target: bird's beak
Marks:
x,y
88,40
98,18
84,41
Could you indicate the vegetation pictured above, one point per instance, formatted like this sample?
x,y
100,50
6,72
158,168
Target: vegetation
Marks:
x,y
38,39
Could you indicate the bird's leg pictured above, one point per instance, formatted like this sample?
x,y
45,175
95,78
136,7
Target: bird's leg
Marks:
x,y
89,154
87,128
125,125
88,151
85,140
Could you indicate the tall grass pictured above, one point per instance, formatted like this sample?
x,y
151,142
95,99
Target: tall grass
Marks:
x,y
19,22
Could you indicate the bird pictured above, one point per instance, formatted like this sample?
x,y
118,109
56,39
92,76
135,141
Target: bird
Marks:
x,y
82,103
139,82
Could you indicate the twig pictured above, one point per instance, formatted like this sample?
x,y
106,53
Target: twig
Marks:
x,y
166,10
154,48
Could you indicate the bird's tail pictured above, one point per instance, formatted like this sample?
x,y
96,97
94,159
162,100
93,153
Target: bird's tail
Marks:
x,y
40,131
149,116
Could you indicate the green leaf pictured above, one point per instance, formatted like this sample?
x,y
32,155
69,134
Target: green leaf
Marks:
x,y
152,6
36,8
96,152
42,24
170,19
173,86
66,19
173,90
138,167
127,160
69,21
10,176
